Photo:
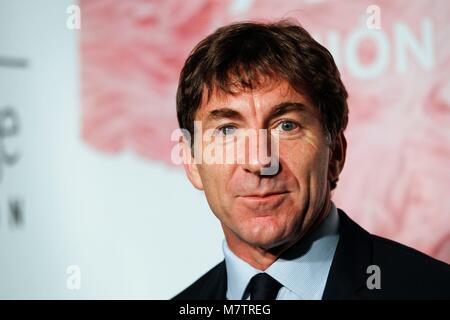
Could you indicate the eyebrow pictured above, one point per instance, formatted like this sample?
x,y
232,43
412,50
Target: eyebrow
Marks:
x,y
224,113
277,110
286,107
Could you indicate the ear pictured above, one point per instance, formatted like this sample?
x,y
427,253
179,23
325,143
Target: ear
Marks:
x,y
337,157
190,165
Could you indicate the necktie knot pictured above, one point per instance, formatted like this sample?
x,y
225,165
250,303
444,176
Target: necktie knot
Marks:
x,y
263,287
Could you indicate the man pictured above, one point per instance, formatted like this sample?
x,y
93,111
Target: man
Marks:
x,y
284,238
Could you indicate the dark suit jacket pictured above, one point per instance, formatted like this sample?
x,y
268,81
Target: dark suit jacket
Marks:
x,y
404,272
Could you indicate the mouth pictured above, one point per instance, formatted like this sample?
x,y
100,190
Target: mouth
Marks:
x,y
259,203
264,197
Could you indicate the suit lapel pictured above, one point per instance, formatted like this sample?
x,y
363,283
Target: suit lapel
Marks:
x,y
217,288
347,277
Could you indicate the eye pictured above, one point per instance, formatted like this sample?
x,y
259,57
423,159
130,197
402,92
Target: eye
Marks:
x,y
287,126
226,130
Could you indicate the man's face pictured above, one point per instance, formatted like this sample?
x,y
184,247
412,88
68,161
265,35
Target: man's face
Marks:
x,y
266,210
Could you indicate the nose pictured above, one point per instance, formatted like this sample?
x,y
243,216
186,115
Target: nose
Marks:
x,y
257,156
255,167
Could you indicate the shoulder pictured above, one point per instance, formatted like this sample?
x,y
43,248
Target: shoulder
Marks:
x,y
212,285
392,251
402,272
404,268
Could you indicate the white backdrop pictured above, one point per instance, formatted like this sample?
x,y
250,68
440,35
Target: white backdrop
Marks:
x,y
106,215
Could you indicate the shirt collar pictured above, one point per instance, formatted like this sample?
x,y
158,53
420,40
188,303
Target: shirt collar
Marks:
x,y
302,269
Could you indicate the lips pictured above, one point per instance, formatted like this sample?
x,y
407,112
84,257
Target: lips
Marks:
x,y
259,200
257,196
263,202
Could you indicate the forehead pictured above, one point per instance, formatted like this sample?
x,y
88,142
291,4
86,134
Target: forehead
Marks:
x,y
259,100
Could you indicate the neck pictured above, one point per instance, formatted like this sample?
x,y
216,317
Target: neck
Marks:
x,y
260,257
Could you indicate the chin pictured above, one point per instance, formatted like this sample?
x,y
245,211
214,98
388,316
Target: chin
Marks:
x,y
267,234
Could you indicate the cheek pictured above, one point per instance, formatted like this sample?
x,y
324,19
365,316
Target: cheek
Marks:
x,y
307,160
214,179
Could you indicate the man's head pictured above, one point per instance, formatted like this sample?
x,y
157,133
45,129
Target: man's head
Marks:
x,y
255,76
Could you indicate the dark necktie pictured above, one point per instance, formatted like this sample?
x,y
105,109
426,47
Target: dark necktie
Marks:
x,y
263,287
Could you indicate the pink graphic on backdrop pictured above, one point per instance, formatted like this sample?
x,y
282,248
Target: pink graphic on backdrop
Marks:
x,y
397,175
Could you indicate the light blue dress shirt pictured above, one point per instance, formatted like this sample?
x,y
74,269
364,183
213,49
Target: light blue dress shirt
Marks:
x,y
302,270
